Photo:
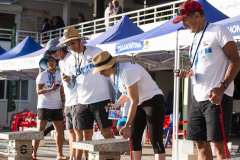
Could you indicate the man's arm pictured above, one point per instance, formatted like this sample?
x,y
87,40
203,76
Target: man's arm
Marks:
x,y
230,50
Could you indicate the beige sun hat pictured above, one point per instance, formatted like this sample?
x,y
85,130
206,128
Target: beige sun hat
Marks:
x,y
69,34
103,61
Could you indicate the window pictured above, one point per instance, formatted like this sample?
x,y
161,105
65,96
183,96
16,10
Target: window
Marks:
x,y
2,89
24,93
15,89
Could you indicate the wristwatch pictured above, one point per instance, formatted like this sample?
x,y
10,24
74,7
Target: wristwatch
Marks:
x,y
224,83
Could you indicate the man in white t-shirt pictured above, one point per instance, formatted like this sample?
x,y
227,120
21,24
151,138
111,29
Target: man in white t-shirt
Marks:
x,y
50,104
215,63
71,100
92,90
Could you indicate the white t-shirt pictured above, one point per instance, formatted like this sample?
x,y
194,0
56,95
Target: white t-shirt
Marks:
x,y
130,74
91,88
70,92
211,63
50,100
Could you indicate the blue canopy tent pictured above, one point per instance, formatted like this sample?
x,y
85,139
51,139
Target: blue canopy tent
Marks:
x,y
233,25
2,50
123,29
28,45
211,14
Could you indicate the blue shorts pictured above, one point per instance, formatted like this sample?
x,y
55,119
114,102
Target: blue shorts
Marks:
x,y
122,121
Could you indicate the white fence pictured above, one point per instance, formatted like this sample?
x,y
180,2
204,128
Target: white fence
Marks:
x,y
140,17
8,35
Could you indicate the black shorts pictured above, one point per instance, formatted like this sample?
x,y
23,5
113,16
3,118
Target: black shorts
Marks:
x,y
84,116
204,120
50,114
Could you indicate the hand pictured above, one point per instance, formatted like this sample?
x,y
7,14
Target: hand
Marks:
x,y
215,95
125,132
54,87
184,73
66,78
113,105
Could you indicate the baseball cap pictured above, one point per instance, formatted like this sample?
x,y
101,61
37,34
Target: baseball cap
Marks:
x,y
187,8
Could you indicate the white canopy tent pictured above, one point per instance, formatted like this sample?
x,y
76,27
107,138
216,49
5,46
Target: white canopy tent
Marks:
x,y
26,67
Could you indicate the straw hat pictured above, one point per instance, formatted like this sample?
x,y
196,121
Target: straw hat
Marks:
x,y
103,61
69,34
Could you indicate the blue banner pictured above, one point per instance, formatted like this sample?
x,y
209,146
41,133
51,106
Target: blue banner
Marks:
x,y
130,46
234,28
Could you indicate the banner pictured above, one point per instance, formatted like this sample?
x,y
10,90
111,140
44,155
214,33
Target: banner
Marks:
x,y
234,28
129,47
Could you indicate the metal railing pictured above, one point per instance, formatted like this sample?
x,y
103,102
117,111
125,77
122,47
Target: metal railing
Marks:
x,y
8,35
21,34
140,17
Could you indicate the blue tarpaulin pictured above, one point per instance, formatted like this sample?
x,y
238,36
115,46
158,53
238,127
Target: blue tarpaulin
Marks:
x,y
2,50
28,45
123,29
233,25
211,15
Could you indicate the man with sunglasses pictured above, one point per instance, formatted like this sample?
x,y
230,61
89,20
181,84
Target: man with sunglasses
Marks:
x,y
215,63
93,91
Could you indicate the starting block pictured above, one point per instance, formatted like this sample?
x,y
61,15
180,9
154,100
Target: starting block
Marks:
x,y
20,143
104,149
187,150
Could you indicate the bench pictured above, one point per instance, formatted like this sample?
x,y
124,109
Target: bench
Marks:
x,y
20,144
104,149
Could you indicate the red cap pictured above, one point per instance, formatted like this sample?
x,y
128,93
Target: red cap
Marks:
x,y
188,7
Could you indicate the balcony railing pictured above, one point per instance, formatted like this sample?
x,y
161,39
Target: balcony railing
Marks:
x,y
140,17
8,35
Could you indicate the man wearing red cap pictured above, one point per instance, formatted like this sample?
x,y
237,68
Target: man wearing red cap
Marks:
x,y
215,63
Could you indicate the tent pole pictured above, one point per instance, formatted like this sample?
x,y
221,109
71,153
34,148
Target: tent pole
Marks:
x,y
176,101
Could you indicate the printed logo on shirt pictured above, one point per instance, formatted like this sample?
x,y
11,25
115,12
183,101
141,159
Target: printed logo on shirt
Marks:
x,y
85,70
203,54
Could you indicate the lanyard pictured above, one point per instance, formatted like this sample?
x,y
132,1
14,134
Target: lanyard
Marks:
x,y
199,42
116,82
78,63
51,77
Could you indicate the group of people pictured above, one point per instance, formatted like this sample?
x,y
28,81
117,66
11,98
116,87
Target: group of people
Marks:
x,y
52,23
84,94
83,86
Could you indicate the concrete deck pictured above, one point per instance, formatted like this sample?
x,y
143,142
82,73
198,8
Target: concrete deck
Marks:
x,y
48,151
